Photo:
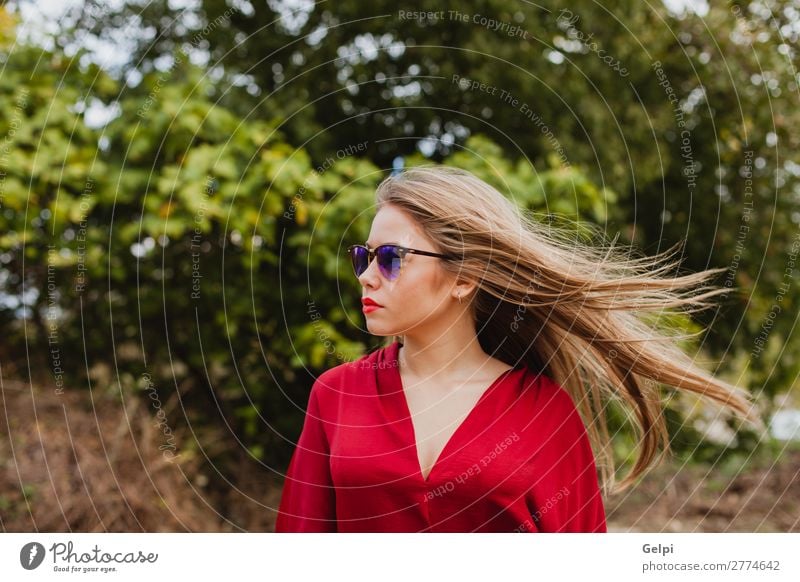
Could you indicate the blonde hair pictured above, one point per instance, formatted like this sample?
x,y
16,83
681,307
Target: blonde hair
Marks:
x,y
576,312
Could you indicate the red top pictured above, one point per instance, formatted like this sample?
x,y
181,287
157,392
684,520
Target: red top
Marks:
x,y
520,460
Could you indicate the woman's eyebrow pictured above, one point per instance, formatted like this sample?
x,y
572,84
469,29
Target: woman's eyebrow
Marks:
x,y
386,243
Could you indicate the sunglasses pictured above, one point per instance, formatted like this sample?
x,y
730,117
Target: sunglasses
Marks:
x,y
390,258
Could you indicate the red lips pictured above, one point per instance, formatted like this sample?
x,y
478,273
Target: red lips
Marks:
x,y
368,301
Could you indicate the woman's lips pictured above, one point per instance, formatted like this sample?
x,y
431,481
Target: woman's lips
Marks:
x,y
368,304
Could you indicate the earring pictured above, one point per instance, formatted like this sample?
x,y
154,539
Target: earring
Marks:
x,y
459,296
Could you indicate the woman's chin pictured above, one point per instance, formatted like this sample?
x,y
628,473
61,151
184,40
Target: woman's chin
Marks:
x,y
381,329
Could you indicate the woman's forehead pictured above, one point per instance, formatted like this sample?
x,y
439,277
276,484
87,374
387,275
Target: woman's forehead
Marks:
x,y
393,226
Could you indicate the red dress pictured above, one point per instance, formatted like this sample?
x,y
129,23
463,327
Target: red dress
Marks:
x,y
519,462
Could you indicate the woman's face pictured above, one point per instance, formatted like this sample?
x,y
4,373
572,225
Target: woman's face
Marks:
x,y
423,297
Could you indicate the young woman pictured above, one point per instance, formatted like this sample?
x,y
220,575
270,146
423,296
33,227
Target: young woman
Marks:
x,y
502,339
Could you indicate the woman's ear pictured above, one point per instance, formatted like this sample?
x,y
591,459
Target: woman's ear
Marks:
x,y
463,290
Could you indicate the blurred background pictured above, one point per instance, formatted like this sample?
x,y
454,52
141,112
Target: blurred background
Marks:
x,y
179,179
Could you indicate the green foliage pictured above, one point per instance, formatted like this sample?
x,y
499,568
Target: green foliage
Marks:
x,y
206,223
666,115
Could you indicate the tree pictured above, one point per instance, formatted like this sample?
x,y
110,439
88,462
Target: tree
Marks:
x,y
669,110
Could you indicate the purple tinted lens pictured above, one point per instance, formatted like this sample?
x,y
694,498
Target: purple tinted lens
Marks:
x,y
360,258
389,261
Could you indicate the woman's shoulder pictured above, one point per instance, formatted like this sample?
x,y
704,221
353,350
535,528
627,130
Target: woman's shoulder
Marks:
x,y
348,377
549,394
373,360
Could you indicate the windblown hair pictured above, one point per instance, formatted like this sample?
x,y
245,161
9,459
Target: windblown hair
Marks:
x,y
579,313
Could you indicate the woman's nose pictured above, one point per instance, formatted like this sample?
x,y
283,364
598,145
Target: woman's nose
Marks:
x,y
370,276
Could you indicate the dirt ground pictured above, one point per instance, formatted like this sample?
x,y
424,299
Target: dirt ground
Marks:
x,y
99,463
760,495
95,462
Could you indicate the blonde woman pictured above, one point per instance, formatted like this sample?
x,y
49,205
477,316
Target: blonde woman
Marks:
x,y
504,342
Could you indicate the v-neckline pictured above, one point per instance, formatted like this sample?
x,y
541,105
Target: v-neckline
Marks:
x,y
395,367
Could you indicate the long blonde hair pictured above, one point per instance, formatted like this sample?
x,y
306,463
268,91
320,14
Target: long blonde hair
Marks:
x,y
579,313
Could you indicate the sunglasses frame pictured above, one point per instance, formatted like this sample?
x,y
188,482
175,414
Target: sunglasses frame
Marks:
x,y
401,251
